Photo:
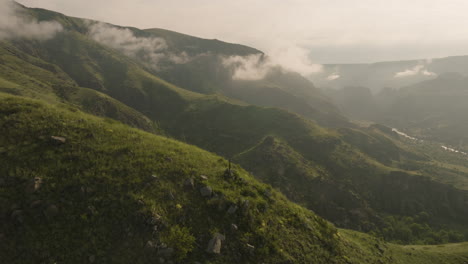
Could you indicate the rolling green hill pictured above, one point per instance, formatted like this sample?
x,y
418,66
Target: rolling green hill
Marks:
x,y
95,190
361,179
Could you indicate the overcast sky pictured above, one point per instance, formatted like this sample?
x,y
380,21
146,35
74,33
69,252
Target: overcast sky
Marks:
x,y
332,31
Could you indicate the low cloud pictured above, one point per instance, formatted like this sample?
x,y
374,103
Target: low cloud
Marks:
x,y
420,69
257,66
152,50
428,73
16,24
333,77
293,57
250,68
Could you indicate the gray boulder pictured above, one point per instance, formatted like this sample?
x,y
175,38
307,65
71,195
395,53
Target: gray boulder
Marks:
x,y
189,184
234,227
150,245
58,140
214,245
232,209
250,248
34,185
206,191
170,196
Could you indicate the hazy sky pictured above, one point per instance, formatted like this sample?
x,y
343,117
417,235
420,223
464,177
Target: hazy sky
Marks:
x,y
340,31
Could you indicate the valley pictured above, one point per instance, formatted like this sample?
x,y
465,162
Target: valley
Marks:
x,y
123,145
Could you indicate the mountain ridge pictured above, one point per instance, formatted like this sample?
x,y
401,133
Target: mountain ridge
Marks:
x,y
229,127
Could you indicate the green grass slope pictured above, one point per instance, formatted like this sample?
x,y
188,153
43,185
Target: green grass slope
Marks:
x,y
372,250
107,193
26,75
101,188
355,164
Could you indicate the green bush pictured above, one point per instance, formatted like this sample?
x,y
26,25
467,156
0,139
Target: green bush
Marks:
x,y
180,239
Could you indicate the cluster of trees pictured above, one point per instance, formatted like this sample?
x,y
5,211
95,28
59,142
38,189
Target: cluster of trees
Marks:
x,y
416,230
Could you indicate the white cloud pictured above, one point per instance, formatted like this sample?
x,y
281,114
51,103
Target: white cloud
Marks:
x,y
397,29
294,58
251,67
257,66
150,49
285,55
419,69
428,73
15,24
410,72
333,77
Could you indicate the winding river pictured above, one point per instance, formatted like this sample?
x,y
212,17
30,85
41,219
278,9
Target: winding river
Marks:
x,y
403,134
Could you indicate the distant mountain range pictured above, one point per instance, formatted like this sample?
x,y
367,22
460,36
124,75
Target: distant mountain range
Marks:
x,y
393,74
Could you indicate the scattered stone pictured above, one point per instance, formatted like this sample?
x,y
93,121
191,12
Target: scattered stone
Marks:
x,y
155,229
154,177
203,177
34,185
206,191
170,196
37,183
51,211
250,248
58,140
92,258
189,184
150,245
232,209
92,210
166,252
153,220
214,246
234,227
245,205
17,216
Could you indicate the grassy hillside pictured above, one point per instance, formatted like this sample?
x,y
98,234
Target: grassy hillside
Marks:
x,y
105,191
26,75
95,190
337,173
